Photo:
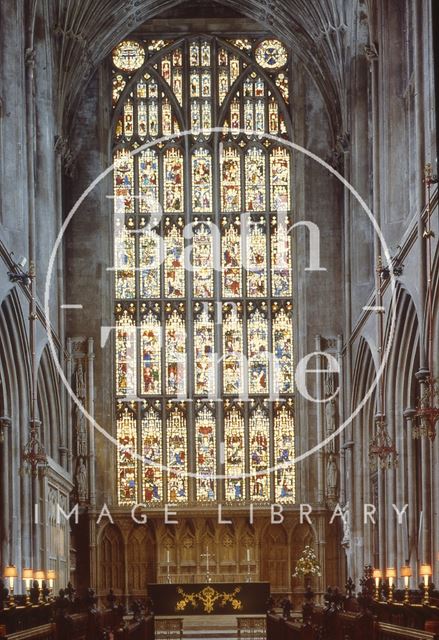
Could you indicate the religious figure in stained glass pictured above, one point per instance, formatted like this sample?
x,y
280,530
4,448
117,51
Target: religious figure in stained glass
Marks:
x,y
205,426
152,455
235,455
259,444
177,454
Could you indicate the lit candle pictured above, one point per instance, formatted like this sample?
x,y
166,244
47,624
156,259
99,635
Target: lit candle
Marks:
x,y
167,556
248,555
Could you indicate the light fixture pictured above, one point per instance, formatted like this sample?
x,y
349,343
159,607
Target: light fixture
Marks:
x,y
11,573
377,575
51,575
391,577
425,572
406,573
28,576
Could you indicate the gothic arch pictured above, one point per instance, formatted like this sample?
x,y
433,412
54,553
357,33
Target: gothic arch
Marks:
x,y
274,557
141,548
49,404
110,560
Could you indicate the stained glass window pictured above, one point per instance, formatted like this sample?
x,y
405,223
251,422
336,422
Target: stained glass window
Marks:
x,y
205,426
152,453
231,258
233,364
282,348
259,453
201,181
285,478
151,344
175,350
234,438
126,377
126,460
129,55
202,268
177,454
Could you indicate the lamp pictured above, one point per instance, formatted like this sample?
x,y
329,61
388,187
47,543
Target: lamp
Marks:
x,y
11,573
377,575
28,576
391,576
425,572
406,573
40,576
51,575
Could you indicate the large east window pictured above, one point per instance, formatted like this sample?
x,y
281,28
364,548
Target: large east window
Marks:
x,y
203,271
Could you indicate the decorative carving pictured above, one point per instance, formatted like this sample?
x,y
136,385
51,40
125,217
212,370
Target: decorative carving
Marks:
x,y
331,480
81,481
208,597
371,52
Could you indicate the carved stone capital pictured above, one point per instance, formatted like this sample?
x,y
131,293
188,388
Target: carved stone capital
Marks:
x,y
371,52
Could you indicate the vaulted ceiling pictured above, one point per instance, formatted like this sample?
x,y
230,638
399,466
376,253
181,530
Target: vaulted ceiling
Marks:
x,y
319,31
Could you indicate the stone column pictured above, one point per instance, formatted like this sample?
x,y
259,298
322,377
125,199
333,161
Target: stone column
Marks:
x,y
412,516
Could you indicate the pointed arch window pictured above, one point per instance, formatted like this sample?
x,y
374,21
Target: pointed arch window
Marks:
x,y
202,270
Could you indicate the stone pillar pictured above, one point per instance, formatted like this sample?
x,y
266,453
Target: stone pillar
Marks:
x,y
412,516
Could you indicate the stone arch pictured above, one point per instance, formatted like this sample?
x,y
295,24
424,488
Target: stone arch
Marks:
x,y
141,560
110,561
188,547
49,404
274,557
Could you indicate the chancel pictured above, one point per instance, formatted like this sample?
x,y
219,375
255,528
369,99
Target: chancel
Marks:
x,y
219,331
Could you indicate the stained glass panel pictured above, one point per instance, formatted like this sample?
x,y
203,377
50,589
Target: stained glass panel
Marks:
x,y
148,181
280,179
118,86
202,258
271,54
201,181
152,455
283,377
175,350
232,349
128,120
126,460
256,263
173,187
255,180
204,350
285,478
174,258
151,351
234,455
231,180
128,55
123,182
206,454
259,454
125,261
126,377
258,349
281,266
231,259
177,455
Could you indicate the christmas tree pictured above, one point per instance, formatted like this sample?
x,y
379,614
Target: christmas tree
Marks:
x,y
307,564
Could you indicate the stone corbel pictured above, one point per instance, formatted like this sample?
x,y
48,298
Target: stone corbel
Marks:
x,y
371,52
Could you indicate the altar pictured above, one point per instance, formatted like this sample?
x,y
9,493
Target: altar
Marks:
x,y
242,598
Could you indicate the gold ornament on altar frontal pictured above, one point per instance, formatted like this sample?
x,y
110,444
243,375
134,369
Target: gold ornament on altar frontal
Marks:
x,y
208,597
